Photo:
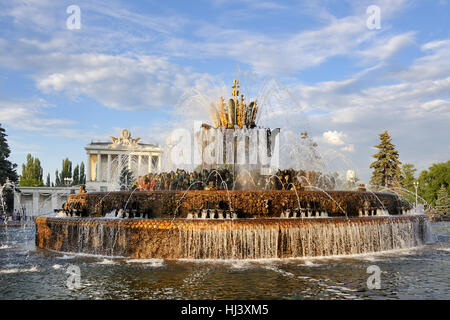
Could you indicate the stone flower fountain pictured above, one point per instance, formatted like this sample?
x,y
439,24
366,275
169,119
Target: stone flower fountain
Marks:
x,y
216,221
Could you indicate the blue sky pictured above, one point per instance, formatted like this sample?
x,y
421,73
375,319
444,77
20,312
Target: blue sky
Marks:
x,y
131,62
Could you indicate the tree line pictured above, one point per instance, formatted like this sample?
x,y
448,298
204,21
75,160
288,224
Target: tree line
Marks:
x,y
32,174
433,184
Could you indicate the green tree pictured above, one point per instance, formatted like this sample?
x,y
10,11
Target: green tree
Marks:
x,y
386,167
126,179
31,172
57,179
7,168
443,201
431,180
76,175
48,180
82,174
66,171
407,181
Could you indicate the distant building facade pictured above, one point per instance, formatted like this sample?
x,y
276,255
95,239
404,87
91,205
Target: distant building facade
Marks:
x,y
34,201
105,161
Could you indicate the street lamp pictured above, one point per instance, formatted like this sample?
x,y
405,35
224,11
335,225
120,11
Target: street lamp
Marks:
x,y
416,185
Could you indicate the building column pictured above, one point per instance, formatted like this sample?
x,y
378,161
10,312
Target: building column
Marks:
x,y
88,167
108,174
119,163
35,204
139,165
98,176
129,161
149,163
159,163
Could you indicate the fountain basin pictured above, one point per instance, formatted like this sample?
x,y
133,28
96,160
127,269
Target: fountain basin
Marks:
x,y
231,239
246,203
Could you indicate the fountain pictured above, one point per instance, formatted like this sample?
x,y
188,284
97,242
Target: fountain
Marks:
x,y
8,191
233,206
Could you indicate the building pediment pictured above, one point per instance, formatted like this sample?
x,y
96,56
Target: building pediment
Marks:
x,y
125,141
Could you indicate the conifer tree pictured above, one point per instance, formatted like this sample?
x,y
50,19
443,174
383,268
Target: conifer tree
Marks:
x,y
57,179
407,181
126,179
66,171
76,175
82,174
443,201
7,169
386,167
48,180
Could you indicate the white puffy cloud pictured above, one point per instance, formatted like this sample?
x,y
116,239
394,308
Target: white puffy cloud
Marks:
x,y
37,13
348,148
29,115
337,139
288,53
344,115
334,137
434,64
284,54
437,105
130,83
119,81
384,48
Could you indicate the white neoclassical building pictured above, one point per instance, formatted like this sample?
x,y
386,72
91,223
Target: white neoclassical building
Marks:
x,y
105,161
36,201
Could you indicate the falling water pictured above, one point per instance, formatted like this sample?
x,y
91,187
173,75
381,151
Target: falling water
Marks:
x,y
304,240
234,239
90,236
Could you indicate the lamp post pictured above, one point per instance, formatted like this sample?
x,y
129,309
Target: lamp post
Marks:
x,y
416,185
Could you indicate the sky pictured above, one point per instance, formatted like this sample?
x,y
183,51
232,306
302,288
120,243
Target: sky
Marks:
x,y
131,64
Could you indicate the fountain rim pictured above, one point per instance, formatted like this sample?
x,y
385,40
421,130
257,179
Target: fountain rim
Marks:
x,y
228,191
343,218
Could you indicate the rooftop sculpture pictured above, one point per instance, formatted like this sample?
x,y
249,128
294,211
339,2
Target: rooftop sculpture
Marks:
x,y
124,139
236,113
